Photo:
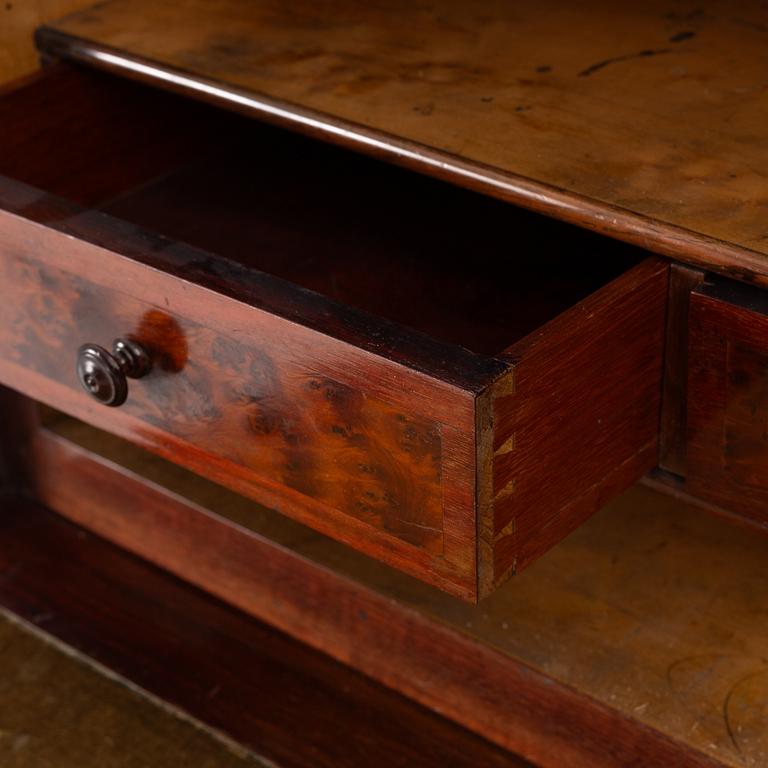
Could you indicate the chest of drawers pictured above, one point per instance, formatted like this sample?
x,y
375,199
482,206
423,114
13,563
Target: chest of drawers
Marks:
x,y
433,283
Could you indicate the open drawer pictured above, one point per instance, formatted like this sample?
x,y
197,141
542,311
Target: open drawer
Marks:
x,y
435,378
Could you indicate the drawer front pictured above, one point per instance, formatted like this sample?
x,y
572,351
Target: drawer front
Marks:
x,y
362,448
728,399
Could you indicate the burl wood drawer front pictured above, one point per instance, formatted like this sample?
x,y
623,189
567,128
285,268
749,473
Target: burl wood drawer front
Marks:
x,y
728,398
322,341
363,449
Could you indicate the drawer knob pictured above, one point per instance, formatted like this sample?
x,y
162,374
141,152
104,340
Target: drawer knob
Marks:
x,y
104,375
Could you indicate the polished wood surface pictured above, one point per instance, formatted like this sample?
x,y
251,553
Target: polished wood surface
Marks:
x,y
400,246
254,401
648,609
728,399
276,699
642,122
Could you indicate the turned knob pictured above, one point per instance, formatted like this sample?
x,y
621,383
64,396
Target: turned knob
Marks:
x,y
104,375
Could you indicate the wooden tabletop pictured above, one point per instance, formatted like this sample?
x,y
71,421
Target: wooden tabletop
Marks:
x,y
646,121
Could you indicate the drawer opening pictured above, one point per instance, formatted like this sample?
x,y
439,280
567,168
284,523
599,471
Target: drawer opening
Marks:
x,y
461,267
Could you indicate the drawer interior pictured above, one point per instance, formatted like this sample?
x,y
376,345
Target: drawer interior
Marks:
x,y
456,265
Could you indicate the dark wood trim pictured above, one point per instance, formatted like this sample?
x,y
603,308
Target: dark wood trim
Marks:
x,y
19,419
657,236
674,401
268,692
514,706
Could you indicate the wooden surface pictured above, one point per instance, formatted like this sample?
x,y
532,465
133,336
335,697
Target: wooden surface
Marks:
x,y
254,402
18,21
673,437
58,710
99,163
350,422
650,613
576,421
728,399
642,121
206,317
83,138
271,695
20,418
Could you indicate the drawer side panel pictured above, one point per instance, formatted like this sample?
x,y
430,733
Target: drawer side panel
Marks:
x,y
578,420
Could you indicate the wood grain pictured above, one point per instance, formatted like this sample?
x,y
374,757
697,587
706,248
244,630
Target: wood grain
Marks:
x,y
269,418
641,122
728,398
576,420
306,218
444,664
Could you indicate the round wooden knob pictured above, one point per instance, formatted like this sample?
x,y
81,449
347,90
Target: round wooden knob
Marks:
x,y
104,375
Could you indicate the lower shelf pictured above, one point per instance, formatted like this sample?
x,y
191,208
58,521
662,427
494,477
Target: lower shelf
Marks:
x,y
644,630
271,695
58,710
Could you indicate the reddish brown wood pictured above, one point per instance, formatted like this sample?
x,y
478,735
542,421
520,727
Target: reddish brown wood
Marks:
x,y
305,216
346,421
285,701
577,419
672,432
263,406
444,669
728,399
